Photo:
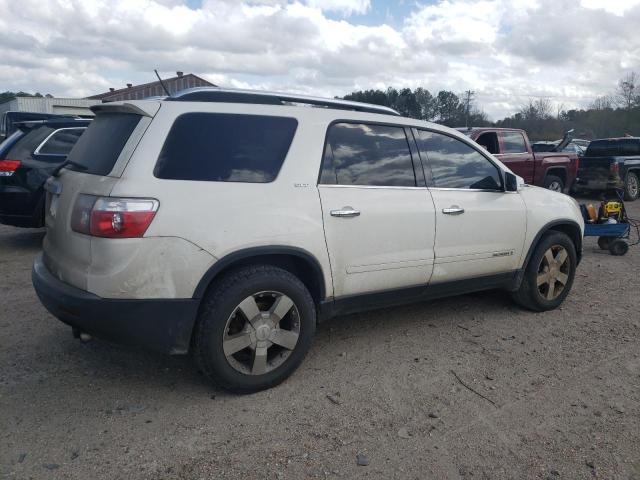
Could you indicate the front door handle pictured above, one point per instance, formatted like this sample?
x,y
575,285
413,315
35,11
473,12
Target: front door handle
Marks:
x,y
453,210
345,212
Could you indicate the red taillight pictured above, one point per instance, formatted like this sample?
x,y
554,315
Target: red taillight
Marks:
x,y
8,167
615,167
113,217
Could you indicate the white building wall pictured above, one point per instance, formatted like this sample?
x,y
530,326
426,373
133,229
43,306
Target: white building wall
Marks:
x,y
63,106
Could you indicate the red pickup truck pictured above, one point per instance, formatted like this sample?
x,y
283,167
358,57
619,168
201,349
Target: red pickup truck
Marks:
x,y
555,170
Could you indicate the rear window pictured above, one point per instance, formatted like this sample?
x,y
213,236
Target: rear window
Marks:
x,y
100,145
60,142
25,146
217,147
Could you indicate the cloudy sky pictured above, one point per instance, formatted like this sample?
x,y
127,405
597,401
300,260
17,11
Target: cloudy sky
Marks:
x,y
505,50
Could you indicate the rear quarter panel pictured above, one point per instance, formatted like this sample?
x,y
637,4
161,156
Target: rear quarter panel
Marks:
x,y
224,217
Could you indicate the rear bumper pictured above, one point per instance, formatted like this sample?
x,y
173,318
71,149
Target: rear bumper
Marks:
x,y
163,325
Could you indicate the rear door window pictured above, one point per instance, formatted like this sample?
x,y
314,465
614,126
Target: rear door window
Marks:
x,y
60,142
366,154
454,164
220,147
100,145
513,142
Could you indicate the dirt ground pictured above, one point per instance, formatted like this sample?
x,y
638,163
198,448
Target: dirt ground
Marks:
x,y
553,395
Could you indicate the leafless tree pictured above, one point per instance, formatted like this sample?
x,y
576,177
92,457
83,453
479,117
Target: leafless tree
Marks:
x,y
627,92
536,109
604,102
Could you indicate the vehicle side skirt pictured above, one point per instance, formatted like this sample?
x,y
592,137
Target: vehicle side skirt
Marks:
x,y
419,293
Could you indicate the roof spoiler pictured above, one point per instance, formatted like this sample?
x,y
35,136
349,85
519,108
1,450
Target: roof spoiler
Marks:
x,y
149,111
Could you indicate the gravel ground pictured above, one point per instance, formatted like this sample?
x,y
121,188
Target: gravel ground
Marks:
x,y
552,395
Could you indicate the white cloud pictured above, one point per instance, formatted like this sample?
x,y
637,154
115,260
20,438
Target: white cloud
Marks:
x,y
346,7
569,50
617,7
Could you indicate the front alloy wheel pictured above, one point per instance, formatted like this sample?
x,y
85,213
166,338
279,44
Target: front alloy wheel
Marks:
x,y
553,272
549,274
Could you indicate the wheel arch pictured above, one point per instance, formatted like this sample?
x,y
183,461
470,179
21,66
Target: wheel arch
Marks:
x,y
558,171
295,260
568,227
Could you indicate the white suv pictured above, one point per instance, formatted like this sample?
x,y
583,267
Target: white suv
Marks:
x,y
227,223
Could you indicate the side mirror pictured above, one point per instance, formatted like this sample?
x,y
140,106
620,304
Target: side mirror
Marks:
x,y
510,182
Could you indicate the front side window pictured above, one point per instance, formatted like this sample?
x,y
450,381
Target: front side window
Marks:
x,y
454,164
513,142
221,147
60,142
365,154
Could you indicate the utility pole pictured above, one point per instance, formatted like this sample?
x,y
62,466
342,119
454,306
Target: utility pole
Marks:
x,y
467,101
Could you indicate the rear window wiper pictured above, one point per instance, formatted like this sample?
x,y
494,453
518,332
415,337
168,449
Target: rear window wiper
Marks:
x,y
66,163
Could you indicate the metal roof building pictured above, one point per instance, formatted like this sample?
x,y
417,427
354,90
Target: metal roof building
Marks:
x,y
153,89
61,106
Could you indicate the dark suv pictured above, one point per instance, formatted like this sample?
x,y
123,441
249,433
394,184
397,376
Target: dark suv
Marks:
x,y
27,158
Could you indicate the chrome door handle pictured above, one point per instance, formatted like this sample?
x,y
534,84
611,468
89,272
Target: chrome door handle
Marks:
x,y
453,210
345,212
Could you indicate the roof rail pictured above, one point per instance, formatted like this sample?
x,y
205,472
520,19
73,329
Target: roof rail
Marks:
x,y
232,95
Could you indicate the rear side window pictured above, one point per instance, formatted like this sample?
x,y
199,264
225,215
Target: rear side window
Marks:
x,y
100,145
603,148
60,142
364,154
513,142
630,147
219,147
454,164
25,146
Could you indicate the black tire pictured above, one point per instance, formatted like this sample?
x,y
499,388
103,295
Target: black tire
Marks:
x,y
528,294
603,242
618,247
631,187
223,299
554,183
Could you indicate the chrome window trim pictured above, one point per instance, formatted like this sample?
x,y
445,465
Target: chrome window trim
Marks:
x,y
468,189
327,185
37,150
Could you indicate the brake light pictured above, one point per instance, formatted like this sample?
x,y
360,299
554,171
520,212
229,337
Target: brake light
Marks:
x,y
113,217
8,167
615,167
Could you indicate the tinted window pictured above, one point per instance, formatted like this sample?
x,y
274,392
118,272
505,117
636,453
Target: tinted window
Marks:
x,y
454,164
513,142
26,145
630,147
61,142
362,154
603,148
100,145
220,147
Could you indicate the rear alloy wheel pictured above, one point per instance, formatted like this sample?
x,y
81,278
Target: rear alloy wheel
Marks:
x,y
261,333
631,187
255,327
554,183
549,275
